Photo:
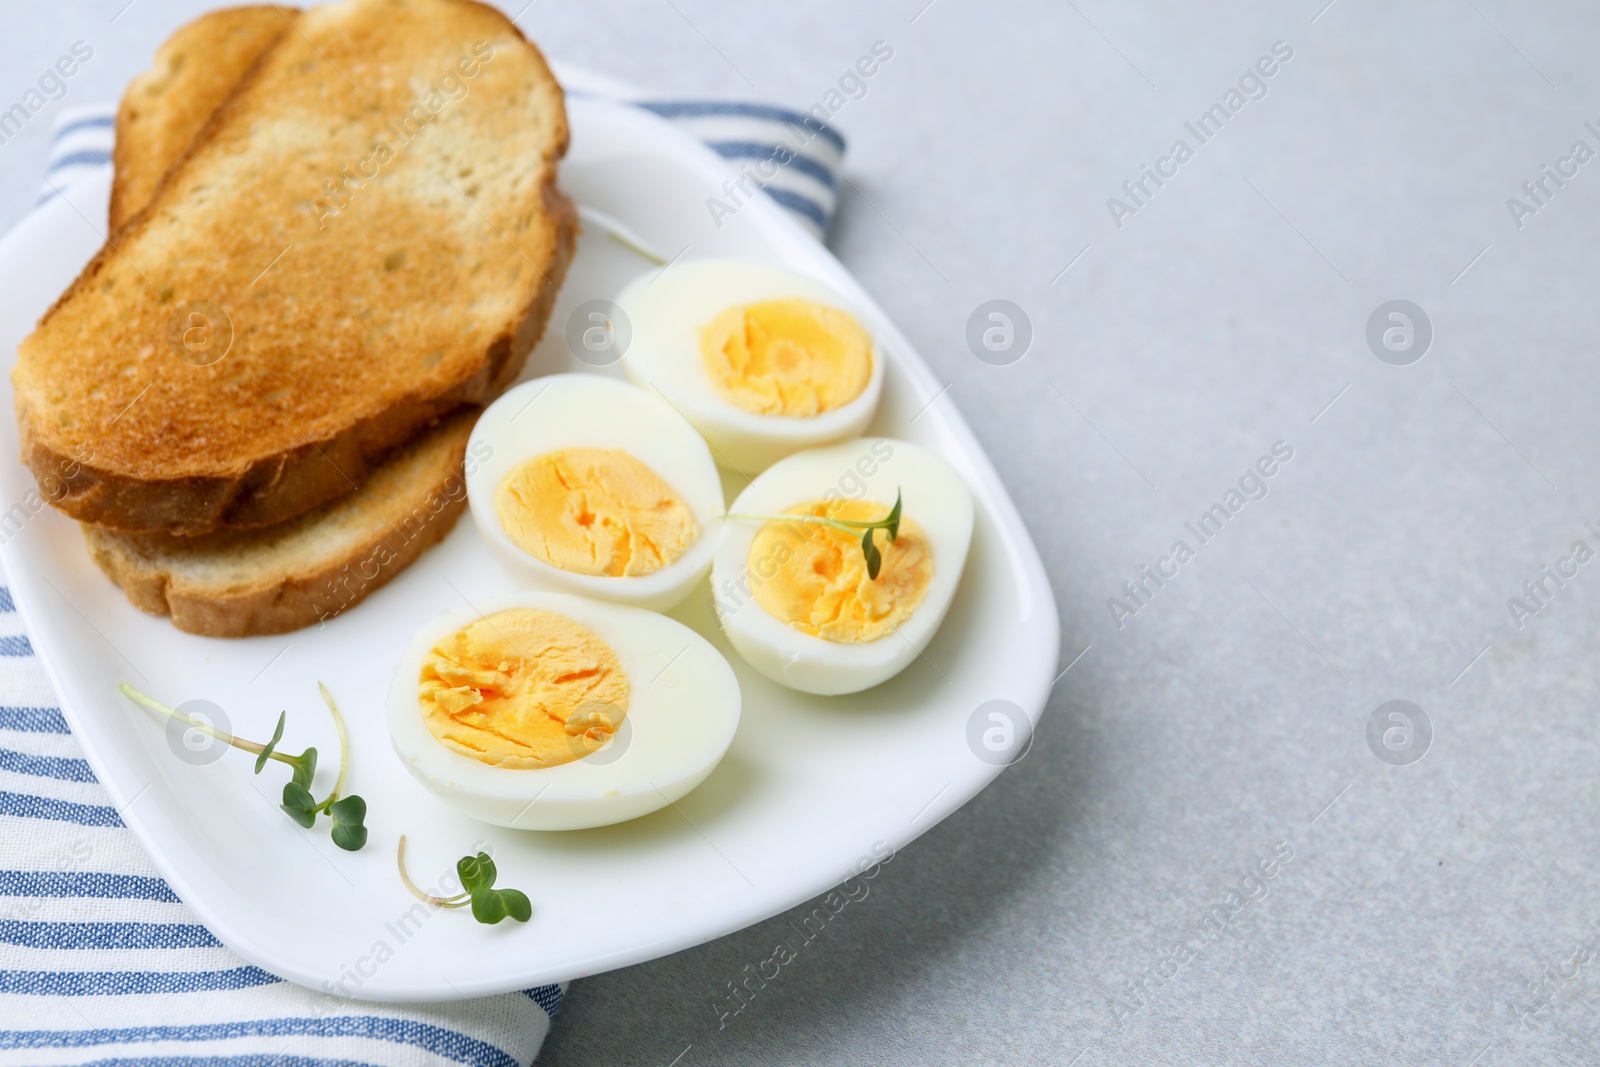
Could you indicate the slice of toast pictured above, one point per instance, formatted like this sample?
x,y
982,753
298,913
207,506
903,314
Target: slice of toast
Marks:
x,y
288,576
165,108
364,236
238,583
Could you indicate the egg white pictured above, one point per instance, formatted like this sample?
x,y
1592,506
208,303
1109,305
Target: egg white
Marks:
x,y
588,411
683,710
870,468
666,310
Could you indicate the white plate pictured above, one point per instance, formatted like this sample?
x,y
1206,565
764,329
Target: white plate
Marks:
x,y
808,789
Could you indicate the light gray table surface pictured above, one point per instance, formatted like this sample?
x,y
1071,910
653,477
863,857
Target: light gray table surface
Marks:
x,y
1441,911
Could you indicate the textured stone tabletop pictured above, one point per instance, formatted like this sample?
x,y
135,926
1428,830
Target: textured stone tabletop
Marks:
x,y
1226,844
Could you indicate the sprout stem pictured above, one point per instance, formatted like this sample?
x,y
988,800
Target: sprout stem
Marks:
x,y
460,900
890,523
190,721
344,748
847,525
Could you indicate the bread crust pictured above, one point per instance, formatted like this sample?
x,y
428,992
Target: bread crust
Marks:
x,y
269,489
283,596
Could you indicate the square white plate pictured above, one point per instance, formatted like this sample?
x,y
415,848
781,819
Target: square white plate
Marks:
x,y
809,788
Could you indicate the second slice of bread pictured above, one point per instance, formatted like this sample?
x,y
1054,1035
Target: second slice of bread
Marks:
x,y
166,107
242,583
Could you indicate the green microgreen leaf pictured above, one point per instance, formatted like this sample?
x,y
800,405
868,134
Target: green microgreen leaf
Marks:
x,y
305,768
870,551
349,838
277,735
488,906
518,906
299,804
349,813
892,523
351,809
476,872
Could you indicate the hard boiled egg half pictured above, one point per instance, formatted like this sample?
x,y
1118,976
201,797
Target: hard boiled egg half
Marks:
x,y
588,485
543,711
794,585
762,360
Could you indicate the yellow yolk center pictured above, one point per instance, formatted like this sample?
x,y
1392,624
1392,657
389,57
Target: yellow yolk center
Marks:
x,y
523,689
787,357
814,577
594,511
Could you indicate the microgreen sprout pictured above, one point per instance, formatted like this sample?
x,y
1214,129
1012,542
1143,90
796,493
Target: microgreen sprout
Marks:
x,y
890,524
347,812
477,873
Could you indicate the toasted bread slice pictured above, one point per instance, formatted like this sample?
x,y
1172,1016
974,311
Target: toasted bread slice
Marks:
x,y
359,311
165,108
296,573
245,582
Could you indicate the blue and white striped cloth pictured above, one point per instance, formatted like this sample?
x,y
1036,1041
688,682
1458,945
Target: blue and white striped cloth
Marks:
x,y
100,963
802,155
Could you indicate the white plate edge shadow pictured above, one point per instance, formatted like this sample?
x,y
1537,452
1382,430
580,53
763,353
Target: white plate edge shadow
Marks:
x,y
794,246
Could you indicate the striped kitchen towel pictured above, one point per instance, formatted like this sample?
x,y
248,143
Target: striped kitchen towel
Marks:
x,y
100,962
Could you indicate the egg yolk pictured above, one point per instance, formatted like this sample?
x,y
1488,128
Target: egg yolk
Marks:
x,y
787,357
594,511
814,577
523,689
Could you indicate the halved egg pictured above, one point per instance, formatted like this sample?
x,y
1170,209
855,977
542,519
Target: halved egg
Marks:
x,y
762,360
799,594
543,711
588,485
